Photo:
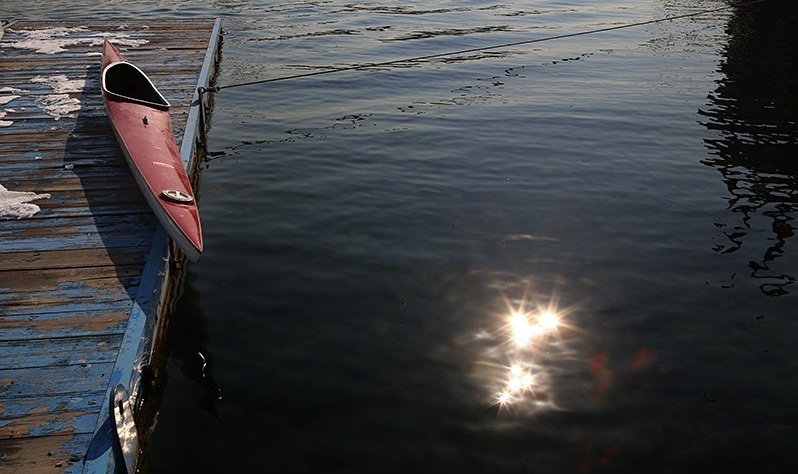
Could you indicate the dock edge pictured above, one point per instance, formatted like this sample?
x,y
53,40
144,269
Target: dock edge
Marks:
x,y
150,306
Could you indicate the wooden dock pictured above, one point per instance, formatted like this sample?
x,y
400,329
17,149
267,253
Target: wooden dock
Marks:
x,y
85,282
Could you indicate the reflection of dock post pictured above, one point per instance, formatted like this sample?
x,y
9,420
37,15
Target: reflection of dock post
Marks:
x,y
753,112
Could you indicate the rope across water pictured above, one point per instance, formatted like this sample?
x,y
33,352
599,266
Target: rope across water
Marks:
x,y
483,48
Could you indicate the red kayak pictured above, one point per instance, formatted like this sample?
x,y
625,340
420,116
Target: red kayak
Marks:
x,y
139,115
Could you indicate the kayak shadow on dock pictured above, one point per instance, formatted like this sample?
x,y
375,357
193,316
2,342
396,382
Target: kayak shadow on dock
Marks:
x,y
108,203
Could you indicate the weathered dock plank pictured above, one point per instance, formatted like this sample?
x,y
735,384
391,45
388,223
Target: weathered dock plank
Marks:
x,y
55,453
70,380
21,327
16,408
55,423
53,251
85,281
40,308
20,354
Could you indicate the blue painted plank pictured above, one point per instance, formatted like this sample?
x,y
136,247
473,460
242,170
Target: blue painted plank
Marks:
x,y
78,240
72,281
108,289
51,180
93,197
87,181
24,407
64,171
51,153
72,324
66,380
144,222
85,350
67,238
51,148
20,146
78,295
113,303
49,416
49,210
75,223
48,424
71,257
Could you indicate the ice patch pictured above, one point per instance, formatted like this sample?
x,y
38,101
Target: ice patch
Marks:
x,y
59,103
8,94
11,90
4,99
55,40
61,84
51,41
16,204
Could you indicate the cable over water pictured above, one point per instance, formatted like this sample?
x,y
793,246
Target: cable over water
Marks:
x,y
479,49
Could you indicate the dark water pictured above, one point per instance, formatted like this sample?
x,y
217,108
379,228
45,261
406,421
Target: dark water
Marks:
x,y
369,235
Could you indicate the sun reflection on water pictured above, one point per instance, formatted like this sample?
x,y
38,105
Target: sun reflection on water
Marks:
x,y
528,332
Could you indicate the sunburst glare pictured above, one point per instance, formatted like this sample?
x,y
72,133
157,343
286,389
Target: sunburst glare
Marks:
x,y
504,398
520,380
548,320
531,332
521,330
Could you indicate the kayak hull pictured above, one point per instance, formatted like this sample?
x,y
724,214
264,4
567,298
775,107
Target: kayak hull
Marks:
x,y
141,122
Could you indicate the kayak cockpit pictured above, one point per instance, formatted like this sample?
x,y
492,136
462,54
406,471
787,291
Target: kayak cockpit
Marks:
x,y
126,81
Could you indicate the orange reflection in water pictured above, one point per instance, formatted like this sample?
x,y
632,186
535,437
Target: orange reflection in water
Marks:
x,y
604,376
599,452
597,455
601,372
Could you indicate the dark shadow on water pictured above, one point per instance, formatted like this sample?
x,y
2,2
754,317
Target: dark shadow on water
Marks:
x,y
753,112
186,345
188,338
